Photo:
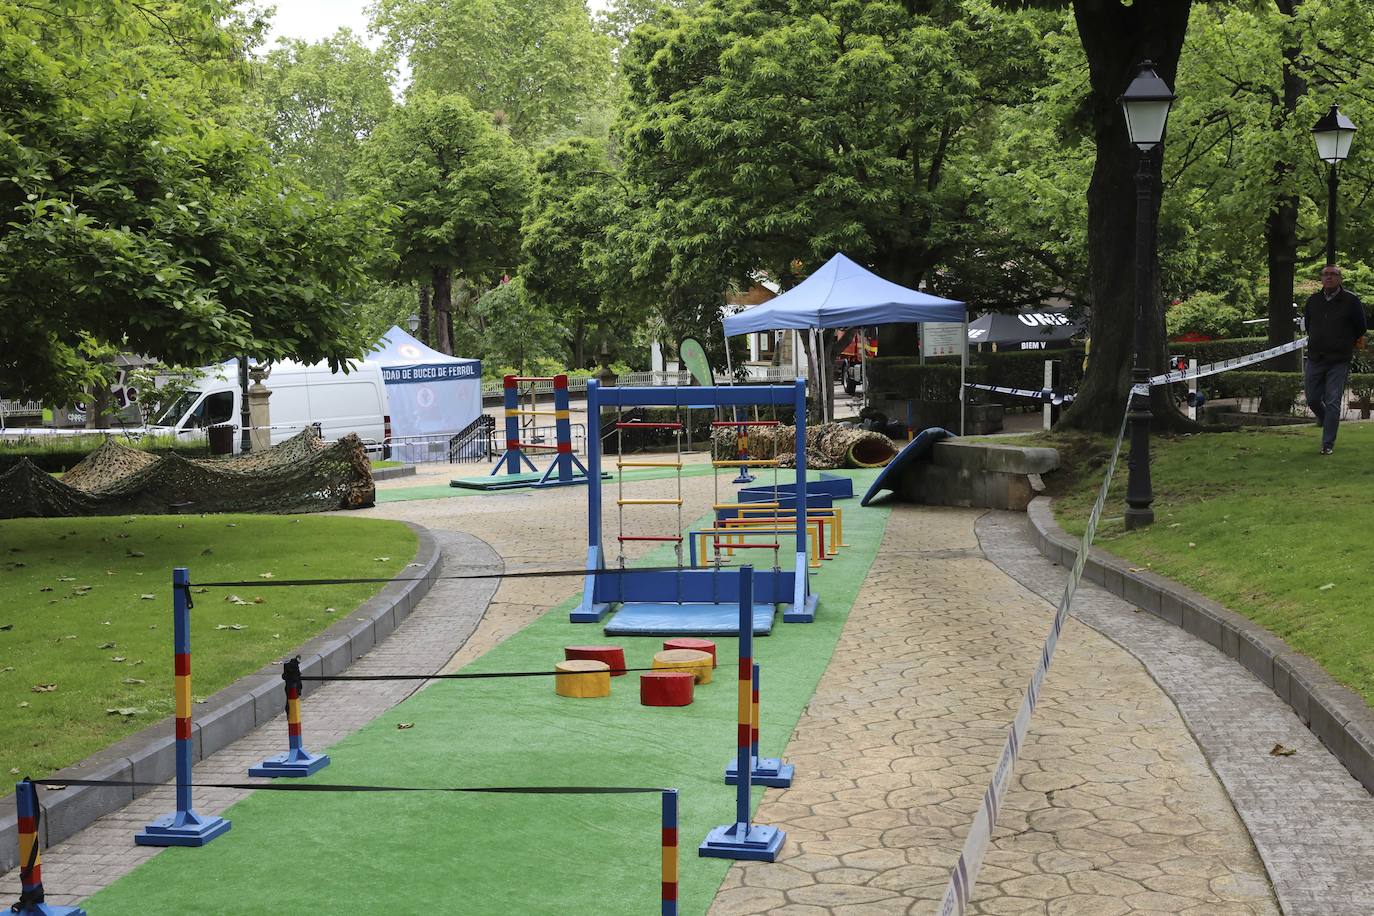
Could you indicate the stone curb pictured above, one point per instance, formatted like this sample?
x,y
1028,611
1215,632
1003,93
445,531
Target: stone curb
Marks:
x,y
226,716
405,470
1332,712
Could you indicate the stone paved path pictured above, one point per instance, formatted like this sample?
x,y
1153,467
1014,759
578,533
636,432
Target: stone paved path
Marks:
x,y
1312,822
1113,808
105,851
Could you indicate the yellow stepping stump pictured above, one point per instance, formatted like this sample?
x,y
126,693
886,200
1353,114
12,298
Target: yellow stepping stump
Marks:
x,y
570,682
699,663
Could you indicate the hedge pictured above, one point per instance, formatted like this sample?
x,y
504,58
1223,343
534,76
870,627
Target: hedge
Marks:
x,y
1281,389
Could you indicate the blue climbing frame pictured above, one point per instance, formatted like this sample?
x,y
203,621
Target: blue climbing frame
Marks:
x,y
604,587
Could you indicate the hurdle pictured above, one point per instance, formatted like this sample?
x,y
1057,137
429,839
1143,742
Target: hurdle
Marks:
x,y
689,601
31,860
564,470
183,827
741,840
297,761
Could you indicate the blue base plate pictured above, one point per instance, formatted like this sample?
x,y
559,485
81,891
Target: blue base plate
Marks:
x,y
638,618
807,614
765,771
760,844
300,764
181,828
48,909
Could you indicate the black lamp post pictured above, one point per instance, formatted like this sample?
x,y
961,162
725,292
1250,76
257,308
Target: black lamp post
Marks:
x,y
1146,104
245,421
1333,134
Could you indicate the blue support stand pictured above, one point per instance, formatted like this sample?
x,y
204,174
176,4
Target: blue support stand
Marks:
x,y
742,840
30,859
763,771
183,827
297,761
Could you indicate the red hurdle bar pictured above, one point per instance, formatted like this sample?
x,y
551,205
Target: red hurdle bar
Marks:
x,y
649,537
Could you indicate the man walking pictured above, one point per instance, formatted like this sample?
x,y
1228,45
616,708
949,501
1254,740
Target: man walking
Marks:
x,y
1335,322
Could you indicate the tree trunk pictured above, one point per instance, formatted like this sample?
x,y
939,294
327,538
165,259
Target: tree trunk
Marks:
x,y
579,344
442,279
1281,228
1116,38
426,332
97,405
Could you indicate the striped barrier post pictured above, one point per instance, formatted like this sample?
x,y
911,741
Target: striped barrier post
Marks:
x,y
565,469
670,860
511,401
183,827
763,771
742,451
297,761
31,860
741,840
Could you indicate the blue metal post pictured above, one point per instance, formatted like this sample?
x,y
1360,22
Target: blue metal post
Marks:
x,y
763,771
183,827
740,840
31,858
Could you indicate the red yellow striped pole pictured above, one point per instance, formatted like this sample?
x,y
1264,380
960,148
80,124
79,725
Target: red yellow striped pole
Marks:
x,y
30,860
670,857
297,761
183,827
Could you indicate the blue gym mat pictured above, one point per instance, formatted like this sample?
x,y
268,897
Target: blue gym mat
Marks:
x,y
645,618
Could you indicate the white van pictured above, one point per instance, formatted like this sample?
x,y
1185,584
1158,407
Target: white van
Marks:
x,y
341,403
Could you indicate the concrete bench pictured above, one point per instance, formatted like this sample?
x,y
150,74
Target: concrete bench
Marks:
x,y
971,473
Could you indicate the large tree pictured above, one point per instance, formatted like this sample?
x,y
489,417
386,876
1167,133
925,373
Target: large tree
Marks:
x,y
457,186
538,65
135,215
321,101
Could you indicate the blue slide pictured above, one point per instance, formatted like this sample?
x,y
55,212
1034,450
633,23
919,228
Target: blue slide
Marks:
x,y
917,449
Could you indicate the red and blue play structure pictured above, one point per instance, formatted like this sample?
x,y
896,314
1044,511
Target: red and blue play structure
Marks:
x,y
565,468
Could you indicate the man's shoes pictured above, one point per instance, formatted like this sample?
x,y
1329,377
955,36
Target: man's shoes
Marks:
x,y
1325,450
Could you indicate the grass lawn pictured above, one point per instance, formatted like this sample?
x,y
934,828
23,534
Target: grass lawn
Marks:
x,y
1257,520
378,464
86,609
512,854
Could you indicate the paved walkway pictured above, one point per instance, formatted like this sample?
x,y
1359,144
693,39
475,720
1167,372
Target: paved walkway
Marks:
x,y
1113,808
1312,822
105,851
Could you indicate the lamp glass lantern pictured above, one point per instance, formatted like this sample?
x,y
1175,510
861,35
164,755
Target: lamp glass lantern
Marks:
x,y
413,322
1333,134
1146,104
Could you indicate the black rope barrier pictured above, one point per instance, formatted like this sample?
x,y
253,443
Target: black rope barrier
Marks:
x,y
53,784
463,676
518,574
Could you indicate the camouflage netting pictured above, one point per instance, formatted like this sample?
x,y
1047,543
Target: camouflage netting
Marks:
x,y
302,474
828,446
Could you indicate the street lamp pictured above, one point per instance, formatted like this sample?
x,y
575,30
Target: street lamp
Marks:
x,y
413,322
1333,134
1146,104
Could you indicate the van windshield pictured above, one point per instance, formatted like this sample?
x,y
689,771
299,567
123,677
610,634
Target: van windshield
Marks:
x,y
216,407
175,410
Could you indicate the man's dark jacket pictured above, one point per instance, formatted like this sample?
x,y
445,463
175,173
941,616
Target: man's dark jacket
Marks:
x,y
1333,326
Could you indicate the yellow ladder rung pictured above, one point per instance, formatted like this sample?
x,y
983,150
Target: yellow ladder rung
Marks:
x,y
648,502
747,463
745,506
648,464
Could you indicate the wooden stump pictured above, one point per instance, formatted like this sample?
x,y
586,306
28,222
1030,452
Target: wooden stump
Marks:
x,y
691,642
568,683
614,656
666,688
698,663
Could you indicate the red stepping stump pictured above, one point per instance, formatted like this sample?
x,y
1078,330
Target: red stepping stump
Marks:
x,y
666,688
688,642
613,656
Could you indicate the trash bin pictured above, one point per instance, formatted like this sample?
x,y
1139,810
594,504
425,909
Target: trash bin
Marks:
x,y
221,439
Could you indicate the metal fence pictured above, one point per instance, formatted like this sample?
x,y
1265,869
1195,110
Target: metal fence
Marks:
x,y
767,374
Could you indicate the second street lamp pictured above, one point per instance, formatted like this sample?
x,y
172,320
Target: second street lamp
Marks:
x,y
1146,104
1333,134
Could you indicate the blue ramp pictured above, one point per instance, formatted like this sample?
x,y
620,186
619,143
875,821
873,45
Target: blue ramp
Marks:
x,y
917,449
671,619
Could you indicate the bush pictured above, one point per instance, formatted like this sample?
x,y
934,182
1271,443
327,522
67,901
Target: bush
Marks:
x,y
1204,313
902,378
1026,368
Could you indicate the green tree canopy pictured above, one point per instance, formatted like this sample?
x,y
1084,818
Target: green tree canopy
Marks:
x,y
537,65
320,101
134,215
456,186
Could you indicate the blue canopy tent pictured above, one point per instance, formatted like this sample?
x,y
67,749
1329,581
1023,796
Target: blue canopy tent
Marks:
x,y
841,294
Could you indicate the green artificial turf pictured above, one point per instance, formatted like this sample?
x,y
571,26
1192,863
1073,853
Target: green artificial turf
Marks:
x,y
512,854
1258,521
86,607
442,491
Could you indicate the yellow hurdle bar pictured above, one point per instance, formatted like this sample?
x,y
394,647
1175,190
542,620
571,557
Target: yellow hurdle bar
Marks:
x,y
743,524
719,506
648,502
813,544
747,511
747,463
520,412
648,464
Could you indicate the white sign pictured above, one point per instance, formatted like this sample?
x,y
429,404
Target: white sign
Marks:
x,y
942,338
